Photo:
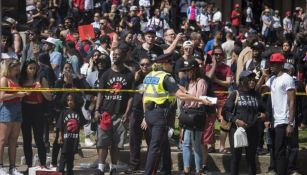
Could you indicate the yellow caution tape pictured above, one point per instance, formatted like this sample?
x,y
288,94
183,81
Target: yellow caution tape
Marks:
x,y
65,90
99,90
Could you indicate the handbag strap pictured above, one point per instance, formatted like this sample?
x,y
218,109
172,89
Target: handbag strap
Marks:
x,y
236,103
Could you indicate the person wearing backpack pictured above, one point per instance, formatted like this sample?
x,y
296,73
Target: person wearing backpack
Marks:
x,y
243,108
157,23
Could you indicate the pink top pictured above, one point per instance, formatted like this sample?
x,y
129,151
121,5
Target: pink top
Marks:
x,y
193,14
197,89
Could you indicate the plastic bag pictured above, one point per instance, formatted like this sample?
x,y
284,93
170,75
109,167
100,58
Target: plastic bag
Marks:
x,y
240,138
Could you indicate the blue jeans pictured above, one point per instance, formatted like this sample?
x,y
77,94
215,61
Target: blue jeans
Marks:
x,y
192,138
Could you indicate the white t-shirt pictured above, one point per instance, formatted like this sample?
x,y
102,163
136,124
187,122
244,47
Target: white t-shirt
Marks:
x,y
228,47
203,19
287,25
217,17
249,15
276,22
279,87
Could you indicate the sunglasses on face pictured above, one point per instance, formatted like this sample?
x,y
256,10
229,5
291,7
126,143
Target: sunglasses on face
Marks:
x,y
218,54
145,65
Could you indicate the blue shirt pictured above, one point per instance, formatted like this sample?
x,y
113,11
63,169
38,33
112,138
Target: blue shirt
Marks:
x,y
56,58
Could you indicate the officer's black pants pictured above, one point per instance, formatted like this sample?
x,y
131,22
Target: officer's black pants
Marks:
x,y
158,126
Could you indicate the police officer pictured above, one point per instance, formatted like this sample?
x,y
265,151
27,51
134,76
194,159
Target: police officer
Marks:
x,y
159,87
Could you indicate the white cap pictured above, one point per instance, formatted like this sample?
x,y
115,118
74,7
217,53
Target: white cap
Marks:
x,y
133,8
50,40
30,7
187,43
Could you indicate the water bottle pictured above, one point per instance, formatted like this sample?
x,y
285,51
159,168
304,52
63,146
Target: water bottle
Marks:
x,y
48,161
35,160
85,165
267,137
22,160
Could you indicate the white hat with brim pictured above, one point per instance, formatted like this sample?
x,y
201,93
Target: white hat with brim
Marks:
x,y
187,44
50,40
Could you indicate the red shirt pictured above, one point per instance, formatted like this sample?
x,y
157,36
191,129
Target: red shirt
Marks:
x,y
11,84
222,71
79,4
235,21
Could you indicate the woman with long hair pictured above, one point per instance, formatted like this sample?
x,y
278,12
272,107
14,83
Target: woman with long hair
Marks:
x,y
244,108
192,137
32,111
10,114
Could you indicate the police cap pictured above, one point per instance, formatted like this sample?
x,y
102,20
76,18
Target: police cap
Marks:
x,y
164,58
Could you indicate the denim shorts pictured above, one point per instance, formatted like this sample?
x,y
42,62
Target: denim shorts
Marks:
x,y
10,112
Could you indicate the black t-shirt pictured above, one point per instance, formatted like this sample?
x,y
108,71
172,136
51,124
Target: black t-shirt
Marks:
x,y
138,96
175,54
139,52
136,24
116,102
70,139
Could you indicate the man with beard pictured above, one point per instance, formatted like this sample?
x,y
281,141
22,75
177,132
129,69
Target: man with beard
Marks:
x,y
112,110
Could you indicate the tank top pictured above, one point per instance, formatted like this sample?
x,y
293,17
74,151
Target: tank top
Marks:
x,y
12,85
34,96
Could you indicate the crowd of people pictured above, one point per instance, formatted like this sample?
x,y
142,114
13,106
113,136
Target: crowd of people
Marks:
x,y
172,57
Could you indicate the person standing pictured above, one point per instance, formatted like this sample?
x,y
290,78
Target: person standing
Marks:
x,y
136,126
235,19
115,106
32,112
248,107
192,137
282,88
11,115
159,86
221,78
287,26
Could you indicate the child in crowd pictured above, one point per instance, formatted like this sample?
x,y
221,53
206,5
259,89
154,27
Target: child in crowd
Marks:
x,y
69,128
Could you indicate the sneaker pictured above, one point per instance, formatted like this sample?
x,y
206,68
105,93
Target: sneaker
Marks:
x,y
3,171
113,171
88,142
294,172
131,171
14,171
271,172
205,170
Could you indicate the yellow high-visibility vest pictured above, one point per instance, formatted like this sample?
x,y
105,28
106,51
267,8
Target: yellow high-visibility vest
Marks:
x,y
154,90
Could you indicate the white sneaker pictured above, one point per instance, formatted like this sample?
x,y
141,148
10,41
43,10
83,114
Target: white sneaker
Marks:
x,y
88,142
14,171
3,171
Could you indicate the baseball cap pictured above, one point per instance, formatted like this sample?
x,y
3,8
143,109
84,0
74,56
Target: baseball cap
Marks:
x,y
257,46
105,121
133,8
187,43
189,65
278,58
246,73
288,66
150,30
50,40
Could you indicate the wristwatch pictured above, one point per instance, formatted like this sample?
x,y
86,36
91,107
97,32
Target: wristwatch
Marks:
x,y
291,124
